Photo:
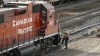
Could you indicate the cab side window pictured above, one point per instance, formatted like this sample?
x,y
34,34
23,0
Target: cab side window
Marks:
x,y
44,13
1,18
36,8
20,12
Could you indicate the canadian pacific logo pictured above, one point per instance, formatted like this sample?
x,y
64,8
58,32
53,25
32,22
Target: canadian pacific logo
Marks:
x,y
21,22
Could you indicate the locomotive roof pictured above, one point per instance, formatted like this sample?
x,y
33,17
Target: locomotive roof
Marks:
x,y
19,7
27,2
8,9
20,2
45,4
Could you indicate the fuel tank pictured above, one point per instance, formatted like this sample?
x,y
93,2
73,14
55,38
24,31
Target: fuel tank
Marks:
x,y
29,50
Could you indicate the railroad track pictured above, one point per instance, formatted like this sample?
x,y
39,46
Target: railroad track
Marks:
x,y
87,12
78,11
88,15
79,19
82,14
82,29
73,5
85,29
81,36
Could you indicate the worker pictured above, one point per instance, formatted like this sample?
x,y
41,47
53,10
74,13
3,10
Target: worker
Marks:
x,y
65,38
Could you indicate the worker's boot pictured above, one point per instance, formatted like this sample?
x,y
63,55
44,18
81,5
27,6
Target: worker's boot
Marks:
x,y
66,47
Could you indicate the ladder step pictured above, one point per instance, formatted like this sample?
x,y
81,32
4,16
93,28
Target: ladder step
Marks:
x,y
42,30
42,33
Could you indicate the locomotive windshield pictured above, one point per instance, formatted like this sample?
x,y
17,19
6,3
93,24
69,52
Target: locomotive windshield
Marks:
x,y
44,13
36,8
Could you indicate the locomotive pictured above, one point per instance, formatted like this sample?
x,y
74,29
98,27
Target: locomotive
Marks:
x,y
27,27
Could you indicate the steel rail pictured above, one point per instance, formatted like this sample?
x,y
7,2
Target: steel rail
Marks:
x,y
85,13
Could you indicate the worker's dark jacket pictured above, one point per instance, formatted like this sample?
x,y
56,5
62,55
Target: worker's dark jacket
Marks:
x,y
65,38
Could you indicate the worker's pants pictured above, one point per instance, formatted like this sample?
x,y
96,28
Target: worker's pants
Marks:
x,y
65,41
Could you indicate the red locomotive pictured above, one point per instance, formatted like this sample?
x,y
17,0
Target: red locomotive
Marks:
x,y
26,27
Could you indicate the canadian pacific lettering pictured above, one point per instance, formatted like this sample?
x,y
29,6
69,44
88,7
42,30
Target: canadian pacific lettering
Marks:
x,y
21,22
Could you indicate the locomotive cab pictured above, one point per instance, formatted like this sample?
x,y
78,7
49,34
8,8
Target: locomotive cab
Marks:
x,y
44,13
50,19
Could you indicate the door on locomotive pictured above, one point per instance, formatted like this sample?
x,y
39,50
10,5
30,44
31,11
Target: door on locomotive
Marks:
x,y
39,8
44,15
39,16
